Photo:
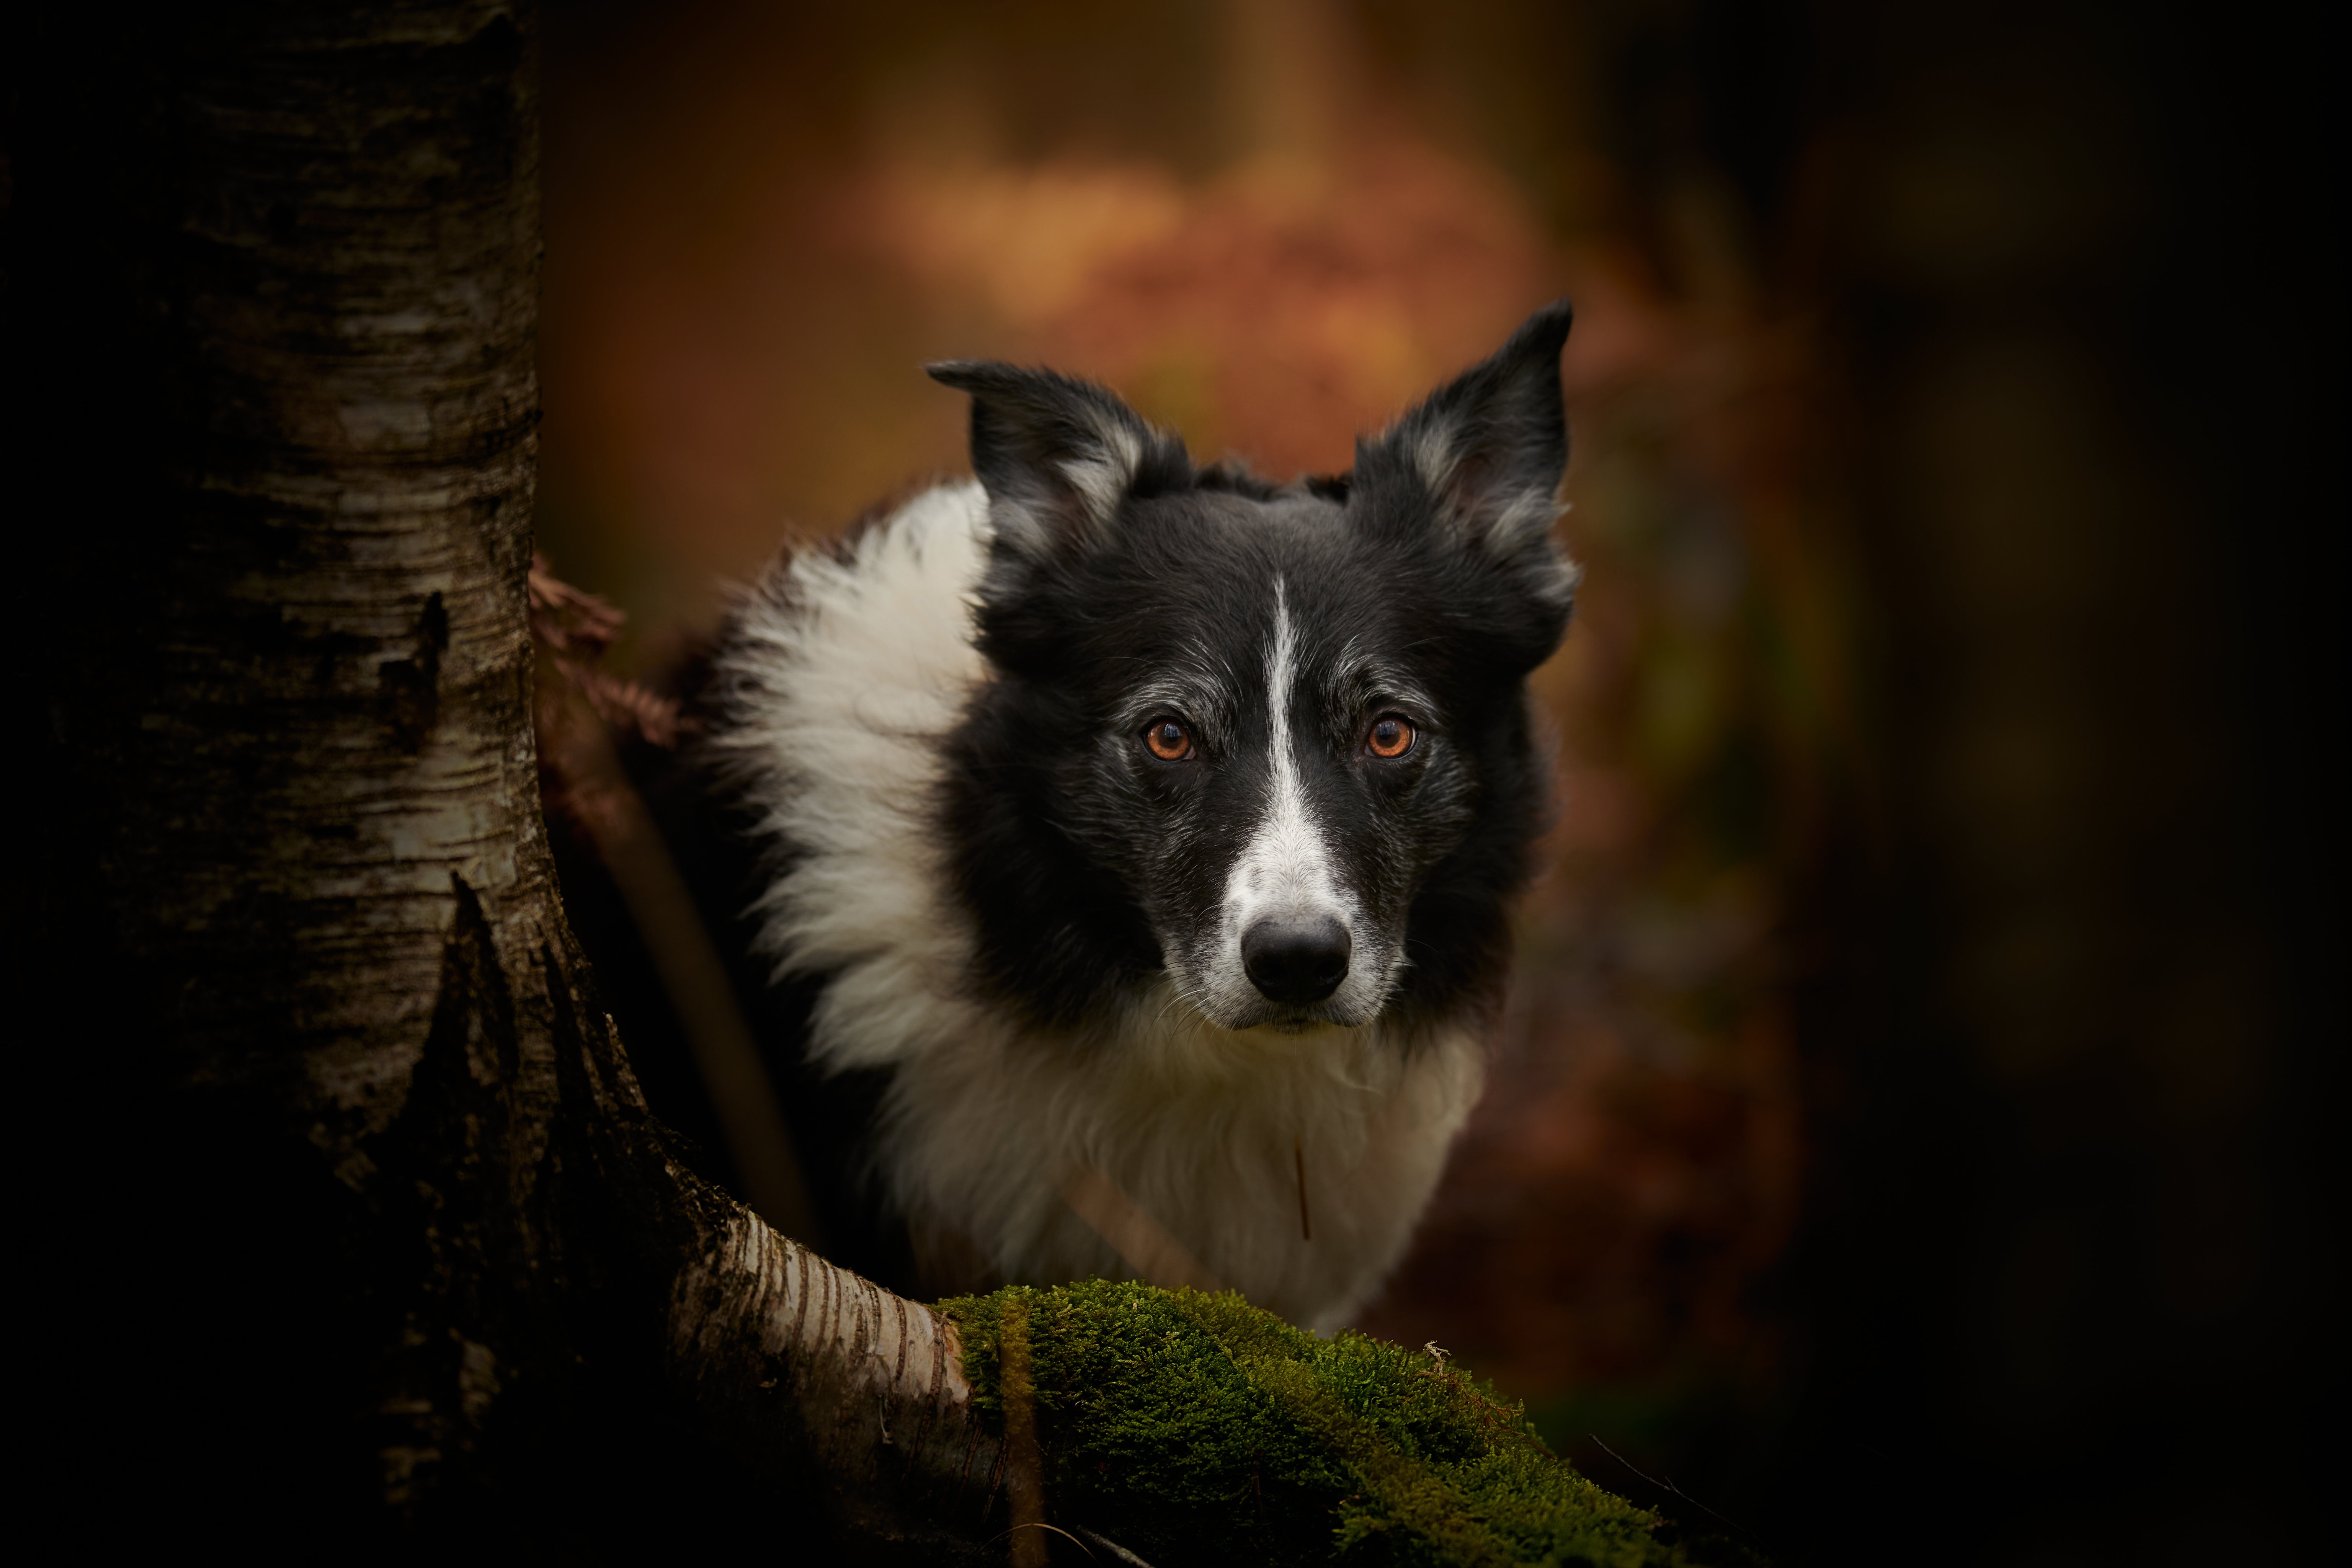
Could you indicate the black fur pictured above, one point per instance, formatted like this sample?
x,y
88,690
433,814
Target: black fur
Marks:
x,y
1421,583
1070,844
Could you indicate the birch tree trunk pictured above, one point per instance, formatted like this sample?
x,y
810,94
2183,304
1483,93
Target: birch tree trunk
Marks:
x,y
373,1237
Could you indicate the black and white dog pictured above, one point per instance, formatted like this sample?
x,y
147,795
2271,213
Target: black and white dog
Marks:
x,y
1152,826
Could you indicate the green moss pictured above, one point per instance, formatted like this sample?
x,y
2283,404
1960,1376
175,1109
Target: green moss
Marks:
x,y
1197,1428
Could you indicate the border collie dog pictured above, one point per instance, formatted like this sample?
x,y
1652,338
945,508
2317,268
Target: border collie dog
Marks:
x,y
1152,826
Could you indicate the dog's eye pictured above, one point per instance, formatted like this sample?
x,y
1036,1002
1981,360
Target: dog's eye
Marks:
x,y
1169,741
1391,736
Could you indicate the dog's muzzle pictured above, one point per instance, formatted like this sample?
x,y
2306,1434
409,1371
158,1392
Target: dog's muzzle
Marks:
x,y
1295,962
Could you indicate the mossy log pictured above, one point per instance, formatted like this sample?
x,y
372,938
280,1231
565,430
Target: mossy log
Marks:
x,y
1188,1427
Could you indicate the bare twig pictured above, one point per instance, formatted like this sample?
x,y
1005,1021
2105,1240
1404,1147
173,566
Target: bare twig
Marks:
x,y
1024,1461
1142,1243
1039,1524
1298,1160
1665,1485
1113,1547
575,628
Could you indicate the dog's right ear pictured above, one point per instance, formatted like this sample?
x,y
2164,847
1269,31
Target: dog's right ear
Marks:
x,y
1487,449
1057,455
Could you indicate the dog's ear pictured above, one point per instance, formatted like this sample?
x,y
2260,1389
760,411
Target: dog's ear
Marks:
x,y
1057,455
1486,449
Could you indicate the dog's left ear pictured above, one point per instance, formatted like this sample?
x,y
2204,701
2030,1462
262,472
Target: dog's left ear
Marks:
x,y
1057,455
1487,449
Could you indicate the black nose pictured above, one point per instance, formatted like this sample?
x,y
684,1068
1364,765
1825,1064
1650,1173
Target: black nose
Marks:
x,y
1295,960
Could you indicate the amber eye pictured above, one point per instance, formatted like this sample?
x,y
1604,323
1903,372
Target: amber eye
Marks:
x,y
1169,741
1389,736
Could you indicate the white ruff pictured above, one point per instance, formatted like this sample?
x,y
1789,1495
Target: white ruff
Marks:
x,y
838,681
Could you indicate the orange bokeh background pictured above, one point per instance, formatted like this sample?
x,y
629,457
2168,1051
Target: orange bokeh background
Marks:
x,y
731,362
1864,952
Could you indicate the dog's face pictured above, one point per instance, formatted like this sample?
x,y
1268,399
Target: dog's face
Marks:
x,y
1268,740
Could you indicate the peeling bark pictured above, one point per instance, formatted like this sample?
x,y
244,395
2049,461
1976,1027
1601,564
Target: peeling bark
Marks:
x,y
805,1363
417,1261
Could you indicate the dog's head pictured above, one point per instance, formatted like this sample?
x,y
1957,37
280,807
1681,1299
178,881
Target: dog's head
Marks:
x,y
1272,739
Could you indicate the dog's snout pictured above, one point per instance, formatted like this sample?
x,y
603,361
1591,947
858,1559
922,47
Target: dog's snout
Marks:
x,y
1295,960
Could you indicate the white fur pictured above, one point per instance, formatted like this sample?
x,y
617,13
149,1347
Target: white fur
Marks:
x,y
1434,454
1099,472
1511,517
839,683
1286,870
1103,478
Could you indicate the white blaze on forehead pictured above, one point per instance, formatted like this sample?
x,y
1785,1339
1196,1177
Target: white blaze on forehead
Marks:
x,y
1285,869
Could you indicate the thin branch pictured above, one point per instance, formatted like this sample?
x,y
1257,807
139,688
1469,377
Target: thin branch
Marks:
x,y
1142,1243
597,792
1666,1486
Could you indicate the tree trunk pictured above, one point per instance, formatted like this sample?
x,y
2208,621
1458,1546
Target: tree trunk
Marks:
x,y
395,1240
354,1222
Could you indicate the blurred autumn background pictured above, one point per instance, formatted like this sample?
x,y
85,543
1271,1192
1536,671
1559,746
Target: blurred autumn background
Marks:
x,y
1899,1142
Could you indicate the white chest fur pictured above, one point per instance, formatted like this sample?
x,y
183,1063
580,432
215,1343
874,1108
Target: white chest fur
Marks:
x,y
839,681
